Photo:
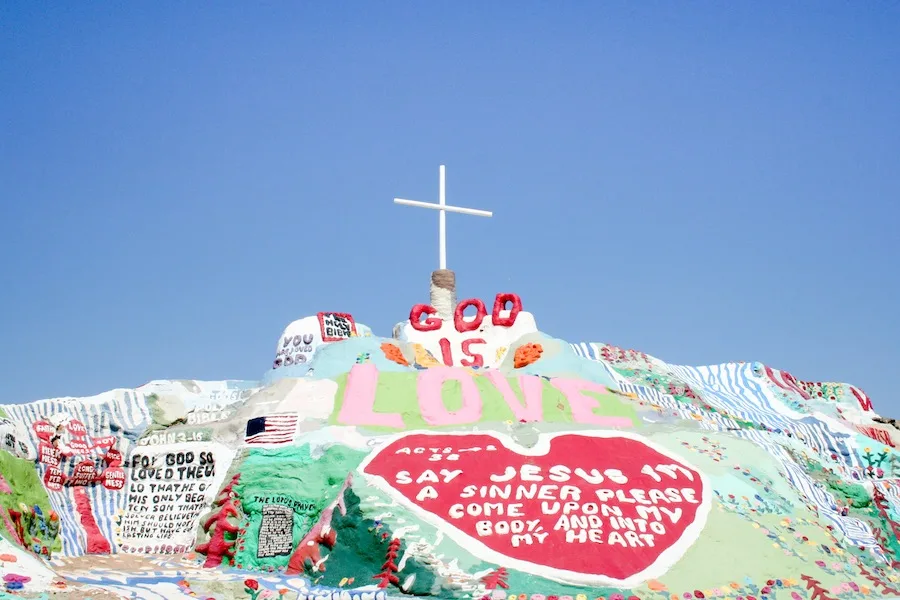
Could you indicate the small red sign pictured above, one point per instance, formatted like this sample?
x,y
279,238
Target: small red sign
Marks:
x,y
103,441
83,474
113,478
79,445
113,457
48,454
76,428
54,479
43,430
336,326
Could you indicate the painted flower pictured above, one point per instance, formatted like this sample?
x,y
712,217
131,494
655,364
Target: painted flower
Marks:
x,y
796,596
527,354
393,353
15,582
251,584
616,597
656,585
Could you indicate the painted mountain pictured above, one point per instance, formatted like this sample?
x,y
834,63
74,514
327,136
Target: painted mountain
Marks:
x,y
466,456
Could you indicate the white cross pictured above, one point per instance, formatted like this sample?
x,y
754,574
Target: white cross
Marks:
x,y
442,206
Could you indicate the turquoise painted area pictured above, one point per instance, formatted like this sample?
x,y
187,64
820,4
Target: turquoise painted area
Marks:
x,y
331,360
559,360
335,359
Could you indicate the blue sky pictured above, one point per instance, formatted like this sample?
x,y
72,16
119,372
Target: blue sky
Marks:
x,y
706,182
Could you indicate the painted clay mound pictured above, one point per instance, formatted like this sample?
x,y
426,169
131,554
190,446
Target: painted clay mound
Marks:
x,y
464,457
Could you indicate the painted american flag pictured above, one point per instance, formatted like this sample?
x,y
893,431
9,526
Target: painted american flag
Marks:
x,y
271,429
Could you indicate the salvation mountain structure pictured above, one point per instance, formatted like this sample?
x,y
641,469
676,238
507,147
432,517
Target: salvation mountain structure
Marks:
x,y
467,456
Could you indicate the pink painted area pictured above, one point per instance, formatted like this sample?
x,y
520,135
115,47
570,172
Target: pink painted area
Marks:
x,y
10,526
5,489
583,406
532,389
358,407
431,401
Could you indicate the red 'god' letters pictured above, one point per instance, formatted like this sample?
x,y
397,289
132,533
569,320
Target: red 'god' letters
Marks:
x,y
589,507
432,323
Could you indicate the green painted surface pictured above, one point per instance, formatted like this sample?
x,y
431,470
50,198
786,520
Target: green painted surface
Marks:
x,y
40,526
289,477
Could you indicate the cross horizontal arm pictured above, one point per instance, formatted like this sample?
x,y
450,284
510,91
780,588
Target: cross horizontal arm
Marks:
x,y
456,209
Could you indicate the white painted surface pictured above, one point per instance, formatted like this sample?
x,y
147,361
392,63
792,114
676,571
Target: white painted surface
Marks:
x,y
167,490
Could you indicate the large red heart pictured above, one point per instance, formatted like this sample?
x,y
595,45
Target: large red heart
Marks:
x,y
586,508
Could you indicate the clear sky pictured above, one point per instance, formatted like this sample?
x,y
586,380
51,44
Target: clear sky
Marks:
x,y
706,182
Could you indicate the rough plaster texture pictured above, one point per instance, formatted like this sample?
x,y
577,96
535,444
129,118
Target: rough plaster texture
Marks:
x,y
372,469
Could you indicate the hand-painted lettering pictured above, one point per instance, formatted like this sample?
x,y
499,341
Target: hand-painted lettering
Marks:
x,y
607,492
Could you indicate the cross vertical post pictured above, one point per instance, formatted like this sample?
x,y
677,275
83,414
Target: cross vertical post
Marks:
x,y
442,200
